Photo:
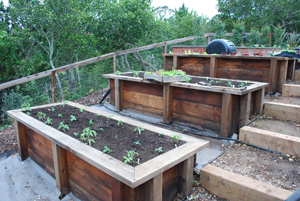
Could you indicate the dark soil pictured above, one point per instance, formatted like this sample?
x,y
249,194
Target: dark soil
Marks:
x,y
119,138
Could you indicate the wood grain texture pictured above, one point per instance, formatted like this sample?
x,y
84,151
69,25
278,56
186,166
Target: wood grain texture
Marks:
x,y
282,143
283,69
194,66
272,76
226,118
112,92
282,111
245,103
186,176
236,187
167,104
297,74
291,90
22,140
118,94
259,101
145,88
213,67
291,68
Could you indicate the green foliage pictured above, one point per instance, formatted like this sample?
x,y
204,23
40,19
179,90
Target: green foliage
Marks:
x,y
160,134
237,33
59,115
63,126
139,129
41,115
137,143
72,118
87,135
293,39
120,123
177,138
131,158
265,35
254,37
159,149
106,150
48,121
279,36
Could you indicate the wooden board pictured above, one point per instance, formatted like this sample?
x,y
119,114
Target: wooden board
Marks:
x,y
297,74
194,66
227,110
282,111
285,144
291,90
233,186
22,140
112,92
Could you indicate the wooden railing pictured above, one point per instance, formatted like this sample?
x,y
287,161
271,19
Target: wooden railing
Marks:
x,y
113,55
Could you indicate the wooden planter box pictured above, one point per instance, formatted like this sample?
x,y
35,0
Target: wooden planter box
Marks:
x,y
273,70
218,109
93,175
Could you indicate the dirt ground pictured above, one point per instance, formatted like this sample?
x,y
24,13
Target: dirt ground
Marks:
x,y
287,100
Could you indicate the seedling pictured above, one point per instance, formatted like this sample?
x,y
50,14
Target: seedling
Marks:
x,y
177,138
41,115
106,150
73,118
135,73
87,135
26,106
52,109
137,143
160,134
59,115
76,134
130,158
120,123
81,109
63,126
229,84
117,72
116,136
28,113
91,122
49,121
98,115
109,116
100,129
242,84
211,82
159,149
139,129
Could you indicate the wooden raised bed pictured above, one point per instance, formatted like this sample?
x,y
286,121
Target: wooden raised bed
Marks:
x,y
93,175
218,109
282,111
273,70
291,90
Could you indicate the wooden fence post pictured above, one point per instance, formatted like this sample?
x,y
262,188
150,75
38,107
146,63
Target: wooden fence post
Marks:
x,y
53,86
114,63
164,57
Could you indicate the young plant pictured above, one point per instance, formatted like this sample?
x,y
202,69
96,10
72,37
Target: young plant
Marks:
x,y
87,135
28,113
106,150
41,115
76,134
59,115
73,118
25,106
160,134
139,129
81,109
135,73
229,84
242,84
49,121
159,149
117,72
211,82
109,116
91,122
177,138
120,123
63,126
116,136
100,129
52,109
131,158
137,143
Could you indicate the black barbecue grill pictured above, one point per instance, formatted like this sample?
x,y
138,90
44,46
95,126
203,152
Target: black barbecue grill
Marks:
x,y
220,46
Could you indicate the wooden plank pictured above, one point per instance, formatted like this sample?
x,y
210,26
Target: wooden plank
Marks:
x,y
157,188
259,100
272,76
291,68
112,92
226,118
114,61
53,87
245,103
233,186
175,65
169,62
167,104
291,90
282,143
213,67
282,111
41,162
22,140
61,168
297,75
194,66
186,169
283,68
118,94
145,88
243,74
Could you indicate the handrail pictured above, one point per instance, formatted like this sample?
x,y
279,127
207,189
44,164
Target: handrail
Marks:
x,y
88,61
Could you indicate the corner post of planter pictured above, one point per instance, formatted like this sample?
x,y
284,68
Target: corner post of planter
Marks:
x,y
282,74
118,94
155,187
61,169
164,57
245,103
53,82
272,76
175,58
114,63
167,103
292,63
226,116
259,100
213,66
22,140
185,173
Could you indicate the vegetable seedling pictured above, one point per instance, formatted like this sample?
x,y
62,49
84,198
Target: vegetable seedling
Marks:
x,y
177,138
52,109
109,117
28,113
100,129
120,123
87,135
63,126
137,143
139,129
117,72
159,149
135,73
49,121
160,134
73,118
81,109
116,136
106,150
91,122
76,134
59,115
25,106
41,115
130,158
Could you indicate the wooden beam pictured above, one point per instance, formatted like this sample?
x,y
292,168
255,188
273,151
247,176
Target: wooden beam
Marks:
x,y
53,82
114,63
272,76
226,116
185,174
22,140
282,111
291,68
175,64
297,75
245,103
213,67
282,143
118,95
233,186
156,188
167,102
291,90
282,74
259,100
61,168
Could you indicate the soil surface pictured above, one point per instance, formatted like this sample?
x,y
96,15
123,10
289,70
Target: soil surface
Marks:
x,y
8,139
274,169
117,136
278,126
287,100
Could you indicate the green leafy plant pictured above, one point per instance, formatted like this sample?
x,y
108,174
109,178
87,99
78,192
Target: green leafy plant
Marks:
x,y
87,135
81,109
160,134
170,73
211,82
100,129
242,84
177,138
116,136
52,109
117,72
120,123
139,129
59,115
48,121
63,126
106,150
91,122
159,149
131,158
41,115
28,113
229,84
25,106
137,143
73,118
135,73
76,134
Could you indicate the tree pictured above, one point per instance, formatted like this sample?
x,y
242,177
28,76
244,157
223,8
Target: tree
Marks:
x,y
237,33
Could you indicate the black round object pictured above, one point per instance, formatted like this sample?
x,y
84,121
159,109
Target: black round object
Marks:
x,y
220,46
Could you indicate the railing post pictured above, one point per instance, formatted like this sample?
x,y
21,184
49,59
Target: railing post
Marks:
x,y
53,86
114,63
164,57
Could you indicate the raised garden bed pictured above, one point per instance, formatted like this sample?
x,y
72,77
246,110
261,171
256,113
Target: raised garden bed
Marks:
x,y
93,175
282,111
221,109
273,70
291,90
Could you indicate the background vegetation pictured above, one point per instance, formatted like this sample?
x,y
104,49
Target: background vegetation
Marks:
x,y
38,35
